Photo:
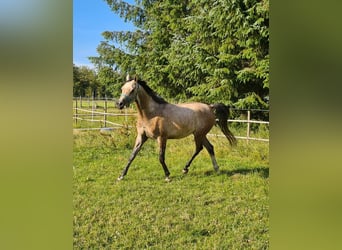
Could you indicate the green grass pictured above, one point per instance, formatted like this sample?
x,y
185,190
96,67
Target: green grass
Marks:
x,y
200,210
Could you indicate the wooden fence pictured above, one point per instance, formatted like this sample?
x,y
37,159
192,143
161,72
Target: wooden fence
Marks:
x,y
89,111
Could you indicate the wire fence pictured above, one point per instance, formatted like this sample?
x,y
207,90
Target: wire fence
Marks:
x,y
104,113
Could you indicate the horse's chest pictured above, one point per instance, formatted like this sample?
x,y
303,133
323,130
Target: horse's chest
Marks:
x,y
152,128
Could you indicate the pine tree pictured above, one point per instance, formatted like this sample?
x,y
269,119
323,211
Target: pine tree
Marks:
x,y
207,50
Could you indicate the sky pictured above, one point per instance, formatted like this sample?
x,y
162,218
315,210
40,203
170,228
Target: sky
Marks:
x,y
90,19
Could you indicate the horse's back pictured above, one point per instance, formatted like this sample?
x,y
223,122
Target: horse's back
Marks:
x,y
200,110
196,106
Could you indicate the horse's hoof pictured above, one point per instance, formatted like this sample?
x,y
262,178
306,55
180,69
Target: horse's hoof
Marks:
x,y
185,171
167,179
120,178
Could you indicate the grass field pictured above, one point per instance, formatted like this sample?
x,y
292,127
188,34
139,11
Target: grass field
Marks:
x,y
200,210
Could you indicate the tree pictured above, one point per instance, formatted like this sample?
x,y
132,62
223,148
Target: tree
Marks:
x,y
85,81
207,50
107,78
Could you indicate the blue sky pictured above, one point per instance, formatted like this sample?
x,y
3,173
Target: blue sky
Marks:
x,y
90,19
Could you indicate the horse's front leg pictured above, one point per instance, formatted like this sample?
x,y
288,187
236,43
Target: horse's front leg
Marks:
x,y
140,140
162,147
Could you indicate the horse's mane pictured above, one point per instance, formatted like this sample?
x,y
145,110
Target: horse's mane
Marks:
x,y
150,92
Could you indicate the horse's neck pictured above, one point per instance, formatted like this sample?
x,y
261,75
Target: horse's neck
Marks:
x,y
146,105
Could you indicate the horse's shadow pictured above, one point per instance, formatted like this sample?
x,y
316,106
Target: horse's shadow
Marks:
x,y
261,171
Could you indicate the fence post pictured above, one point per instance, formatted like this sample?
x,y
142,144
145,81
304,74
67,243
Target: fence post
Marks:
x,y
248,124
76,111
81,101
105,110
126,115
92,107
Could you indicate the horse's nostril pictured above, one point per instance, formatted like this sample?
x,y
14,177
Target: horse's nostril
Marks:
x,y
120,105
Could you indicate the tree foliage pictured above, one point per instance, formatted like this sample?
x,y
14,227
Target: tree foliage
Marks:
x,y
98,83
206,50
85,83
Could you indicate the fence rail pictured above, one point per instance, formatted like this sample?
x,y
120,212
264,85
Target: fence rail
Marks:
x,y
81,114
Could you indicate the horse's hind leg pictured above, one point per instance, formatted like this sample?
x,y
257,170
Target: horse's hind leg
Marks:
x,y
199,147
210,149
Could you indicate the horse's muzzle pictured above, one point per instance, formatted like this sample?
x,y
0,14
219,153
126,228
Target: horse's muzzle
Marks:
x,y
120,104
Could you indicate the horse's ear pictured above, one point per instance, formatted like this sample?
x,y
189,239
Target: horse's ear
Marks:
x,y
136,78
127,77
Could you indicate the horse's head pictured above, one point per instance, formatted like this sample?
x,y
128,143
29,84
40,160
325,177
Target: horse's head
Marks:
x,y
129,92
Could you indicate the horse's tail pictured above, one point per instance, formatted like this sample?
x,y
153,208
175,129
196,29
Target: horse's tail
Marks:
x,y
221,112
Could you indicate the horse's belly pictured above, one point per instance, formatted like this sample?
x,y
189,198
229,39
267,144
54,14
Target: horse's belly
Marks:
x,y
178,136
176,128
179,130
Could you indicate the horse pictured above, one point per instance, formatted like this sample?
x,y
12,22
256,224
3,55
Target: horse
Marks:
x,y
161,120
